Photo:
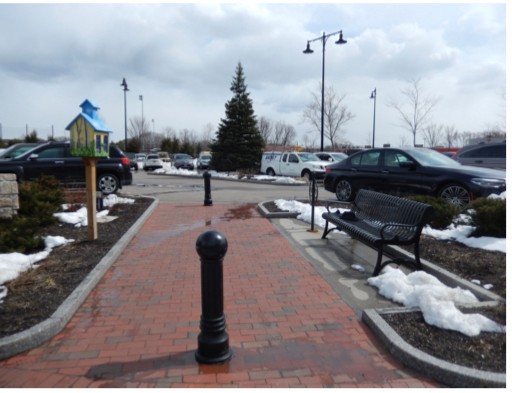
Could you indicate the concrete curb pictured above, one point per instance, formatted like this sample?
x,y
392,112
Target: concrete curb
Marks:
x,y
47,329
439,370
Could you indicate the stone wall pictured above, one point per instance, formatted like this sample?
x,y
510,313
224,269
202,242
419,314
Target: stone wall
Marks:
x,y
9,201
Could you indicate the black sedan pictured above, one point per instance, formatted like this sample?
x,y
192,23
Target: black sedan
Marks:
x,y
411,171
54,159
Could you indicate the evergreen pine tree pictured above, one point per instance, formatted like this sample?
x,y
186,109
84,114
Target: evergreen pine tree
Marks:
x,y
238,144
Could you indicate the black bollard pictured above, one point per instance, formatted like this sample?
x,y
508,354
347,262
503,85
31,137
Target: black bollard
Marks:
x,y
207,189
213,341
313,196
99,201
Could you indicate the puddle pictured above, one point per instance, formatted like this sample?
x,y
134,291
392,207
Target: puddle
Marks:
x,y
242,212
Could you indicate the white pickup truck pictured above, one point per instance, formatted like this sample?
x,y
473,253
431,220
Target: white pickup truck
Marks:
x,y
293,164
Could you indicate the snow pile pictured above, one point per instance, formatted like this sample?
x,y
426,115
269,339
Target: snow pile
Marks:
x,y
15,263
436,301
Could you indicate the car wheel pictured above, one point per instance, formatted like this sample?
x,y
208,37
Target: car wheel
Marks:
x,y
270,172
306,175
344,191
108,184
455,194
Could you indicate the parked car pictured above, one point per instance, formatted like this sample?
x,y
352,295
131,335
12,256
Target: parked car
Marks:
x,y
164,156
184,161
133,162
294,164
152,162
16,150
331,157
54,159
411,171
203,162
488,155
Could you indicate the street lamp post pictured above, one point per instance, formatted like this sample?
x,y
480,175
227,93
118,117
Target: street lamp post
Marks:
x,y
142,111
324,38
125,89
374,98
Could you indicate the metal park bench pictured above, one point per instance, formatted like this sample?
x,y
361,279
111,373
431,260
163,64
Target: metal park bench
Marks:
x,y
378,220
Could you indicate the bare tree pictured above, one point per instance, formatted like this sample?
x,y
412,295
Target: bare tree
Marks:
x,y
433,134
465,137
265,127
451,136
403,140
207,136
415,113
309,143
283,133
336,114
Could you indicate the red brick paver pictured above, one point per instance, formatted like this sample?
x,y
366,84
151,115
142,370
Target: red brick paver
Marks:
x,y
138,328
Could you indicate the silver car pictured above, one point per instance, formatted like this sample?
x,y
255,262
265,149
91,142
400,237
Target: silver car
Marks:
x,y
488,155
184,161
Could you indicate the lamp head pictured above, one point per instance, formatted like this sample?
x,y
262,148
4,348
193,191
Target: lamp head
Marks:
x,y
341,41
307,50
124,84
374,94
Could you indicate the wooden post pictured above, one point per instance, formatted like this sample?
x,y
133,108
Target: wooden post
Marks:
x,y
90,178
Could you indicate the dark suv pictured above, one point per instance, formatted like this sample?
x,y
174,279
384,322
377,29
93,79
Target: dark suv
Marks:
x,y
54,159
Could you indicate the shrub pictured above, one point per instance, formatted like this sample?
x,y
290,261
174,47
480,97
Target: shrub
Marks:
x,y
489,216
19,234
444,212
39,200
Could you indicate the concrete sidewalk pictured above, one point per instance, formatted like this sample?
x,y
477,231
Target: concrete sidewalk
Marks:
x,y
287,326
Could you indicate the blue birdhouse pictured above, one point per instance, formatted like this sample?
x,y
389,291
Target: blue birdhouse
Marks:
x,y
89,135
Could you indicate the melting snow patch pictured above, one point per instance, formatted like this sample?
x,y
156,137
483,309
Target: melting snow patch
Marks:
x,y
435,300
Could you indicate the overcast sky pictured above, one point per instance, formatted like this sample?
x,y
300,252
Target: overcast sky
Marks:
x,y
182,57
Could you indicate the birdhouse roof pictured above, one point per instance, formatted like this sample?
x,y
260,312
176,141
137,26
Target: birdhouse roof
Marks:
x,y
90,114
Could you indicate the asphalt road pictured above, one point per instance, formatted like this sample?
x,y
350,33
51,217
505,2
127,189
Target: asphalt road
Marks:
x,y
176,188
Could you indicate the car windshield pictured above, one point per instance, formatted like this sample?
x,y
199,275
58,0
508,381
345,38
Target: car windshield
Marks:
x,y
183,157
308,157
339,156
428,157
152,157
16,150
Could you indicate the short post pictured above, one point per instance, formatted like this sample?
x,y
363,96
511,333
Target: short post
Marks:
x,y
313,195
207,189
213,341
99,201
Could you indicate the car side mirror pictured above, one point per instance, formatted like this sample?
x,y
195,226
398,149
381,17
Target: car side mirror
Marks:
x,y
407,164
33,157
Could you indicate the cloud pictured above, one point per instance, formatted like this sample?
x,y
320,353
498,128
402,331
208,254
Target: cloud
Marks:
x,y
182,58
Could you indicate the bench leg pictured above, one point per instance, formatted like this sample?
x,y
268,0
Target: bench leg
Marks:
x,y
326,231
416,264
378,266
417,260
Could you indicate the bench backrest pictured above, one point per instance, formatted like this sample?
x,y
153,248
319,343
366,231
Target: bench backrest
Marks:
x,y
383,208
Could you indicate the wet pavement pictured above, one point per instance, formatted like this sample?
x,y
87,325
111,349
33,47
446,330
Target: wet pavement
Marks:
x,y
291,321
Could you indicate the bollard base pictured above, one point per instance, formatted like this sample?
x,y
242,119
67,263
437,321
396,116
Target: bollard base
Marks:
x,y
215,360
213,348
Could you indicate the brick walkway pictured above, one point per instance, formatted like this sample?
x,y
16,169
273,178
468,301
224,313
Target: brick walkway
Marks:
x,y
139,327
